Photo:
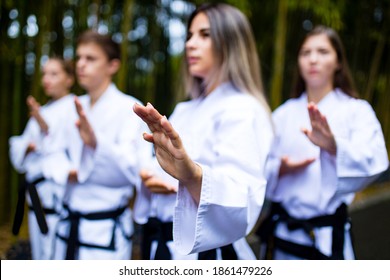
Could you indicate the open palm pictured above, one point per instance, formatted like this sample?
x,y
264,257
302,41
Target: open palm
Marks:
x,y
169,149
321,134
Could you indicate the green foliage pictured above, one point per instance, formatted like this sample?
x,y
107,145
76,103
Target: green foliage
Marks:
x,y
151,72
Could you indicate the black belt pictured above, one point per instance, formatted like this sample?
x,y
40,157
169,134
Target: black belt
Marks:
x,y
227,252
36,206
74,218
156,230
278,214
47,211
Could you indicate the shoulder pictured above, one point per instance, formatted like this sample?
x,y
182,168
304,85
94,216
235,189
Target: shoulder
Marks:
x,y
353,104
290,105
125,99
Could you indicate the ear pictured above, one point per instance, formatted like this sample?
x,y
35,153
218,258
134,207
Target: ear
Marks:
x,y
114,66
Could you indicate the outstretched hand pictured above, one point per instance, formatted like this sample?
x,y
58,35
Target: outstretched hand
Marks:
x,y
155,184
169,149
288,166
321,134
34,108
85,129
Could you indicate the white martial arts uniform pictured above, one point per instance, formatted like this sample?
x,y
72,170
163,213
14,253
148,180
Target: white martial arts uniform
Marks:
x,y
49,192
106,176
160,206
320,188
228,133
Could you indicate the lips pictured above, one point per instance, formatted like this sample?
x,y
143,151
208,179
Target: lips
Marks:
x,y
192,60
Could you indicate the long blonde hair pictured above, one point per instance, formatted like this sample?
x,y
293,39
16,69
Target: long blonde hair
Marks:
x,y
235,52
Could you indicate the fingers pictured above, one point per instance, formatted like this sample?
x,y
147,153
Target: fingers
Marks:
x,y
140,111
72,176
148,137
32,104
29,100
156,123
171,133
317,119
145,174
155,184
149,115
288,166
80,112
304,163
306,132
79,107
314,113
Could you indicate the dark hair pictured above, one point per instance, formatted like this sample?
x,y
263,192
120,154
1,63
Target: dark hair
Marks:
x,y
342,77
67,65
110,47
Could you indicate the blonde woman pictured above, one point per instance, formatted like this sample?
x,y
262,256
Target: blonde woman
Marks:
x,y
213,148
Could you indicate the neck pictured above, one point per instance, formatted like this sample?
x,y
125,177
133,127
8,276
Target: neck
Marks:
x,y
57,97
317,94
211,87
95,94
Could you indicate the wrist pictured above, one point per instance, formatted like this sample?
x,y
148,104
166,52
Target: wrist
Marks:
x,y
194,178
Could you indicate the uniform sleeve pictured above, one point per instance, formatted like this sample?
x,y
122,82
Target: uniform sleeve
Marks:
x,y
18,146
274,159
233,187
56,162
117,163
272,169
361,151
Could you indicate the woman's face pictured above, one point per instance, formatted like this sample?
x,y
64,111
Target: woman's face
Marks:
x,y
199,48
55,81
318,62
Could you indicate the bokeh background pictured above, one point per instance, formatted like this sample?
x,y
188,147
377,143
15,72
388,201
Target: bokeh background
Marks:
x,y
152,34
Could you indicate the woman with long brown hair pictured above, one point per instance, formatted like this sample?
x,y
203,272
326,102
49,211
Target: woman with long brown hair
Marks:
x,y
328,146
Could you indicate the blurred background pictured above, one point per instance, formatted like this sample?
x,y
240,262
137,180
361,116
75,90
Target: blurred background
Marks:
x,y
152,35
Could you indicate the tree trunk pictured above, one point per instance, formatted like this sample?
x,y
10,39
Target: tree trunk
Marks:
x,y
374,69
127,20
279,55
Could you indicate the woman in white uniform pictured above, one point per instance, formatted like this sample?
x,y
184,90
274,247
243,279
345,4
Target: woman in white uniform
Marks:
x,y
213,147
98,156
26,153
329,145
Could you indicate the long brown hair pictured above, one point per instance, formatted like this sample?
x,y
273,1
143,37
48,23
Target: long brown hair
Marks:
x,y
342,77
235,51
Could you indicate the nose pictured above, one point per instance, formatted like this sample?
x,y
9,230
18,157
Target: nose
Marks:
x,y
313,57
80,62
45,79
191,42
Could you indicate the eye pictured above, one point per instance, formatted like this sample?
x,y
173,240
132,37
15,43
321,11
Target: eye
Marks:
x,y
323,51
304,52
189,35
205,33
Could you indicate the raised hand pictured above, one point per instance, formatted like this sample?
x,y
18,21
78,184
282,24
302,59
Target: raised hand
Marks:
x,y
321,134
169,149
34,108
85,129
155,184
